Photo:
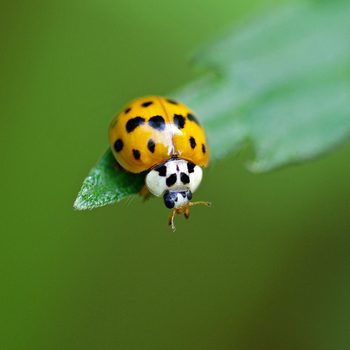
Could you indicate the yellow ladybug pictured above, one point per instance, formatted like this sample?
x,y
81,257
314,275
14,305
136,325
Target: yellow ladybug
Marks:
x,y
164,138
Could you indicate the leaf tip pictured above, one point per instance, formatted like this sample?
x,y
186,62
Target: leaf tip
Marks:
x,y
80,204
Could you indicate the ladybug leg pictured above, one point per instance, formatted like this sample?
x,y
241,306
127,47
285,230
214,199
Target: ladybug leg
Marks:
x,y
145,193
187,212
171,220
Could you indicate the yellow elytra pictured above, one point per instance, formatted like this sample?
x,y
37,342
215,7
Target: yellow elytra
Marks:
x,y
152,129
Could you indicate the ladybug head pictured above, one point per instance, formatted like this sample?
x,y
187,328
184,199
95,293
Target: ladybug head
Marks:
x,y
177,199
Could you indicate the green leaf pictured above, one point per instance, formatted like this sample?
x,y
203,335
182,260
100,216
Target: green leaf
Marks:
x,y
107,184
280,82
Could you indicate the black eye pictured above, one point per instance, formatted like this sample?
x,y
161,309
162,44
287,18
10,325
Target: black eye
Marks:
x,y
169,203
189,195
170,199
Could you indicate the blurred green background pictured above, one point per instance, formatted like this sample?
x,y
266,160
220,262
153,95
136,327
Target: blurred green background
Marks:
x,y
267,267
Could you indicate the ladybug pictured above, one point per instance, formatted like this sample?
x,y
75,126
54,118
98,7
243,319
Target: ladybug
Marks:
x,y
164,138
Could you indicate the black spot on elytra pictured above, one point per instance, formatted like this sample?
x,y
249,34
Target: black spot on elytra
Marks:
x,y
118,145
161,170
179,121
192,118
146,104
184,178
157,122
193,142
134,123
136,153
127,110
151,145
173,102
171,180
203,148
190,167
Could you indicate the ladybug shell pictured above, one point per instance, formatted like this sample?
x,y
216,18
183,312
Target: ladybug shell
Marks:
x,y
151,130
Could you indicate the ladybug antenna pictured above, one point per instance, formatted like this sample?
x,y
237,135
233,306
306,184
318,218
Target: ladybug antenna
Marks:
x,y
208,204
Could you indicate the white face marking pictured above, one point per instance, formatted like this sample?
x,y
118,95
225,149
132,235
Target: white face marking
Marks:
x,y
181,199
176,175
